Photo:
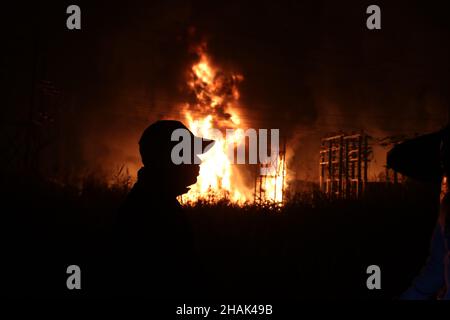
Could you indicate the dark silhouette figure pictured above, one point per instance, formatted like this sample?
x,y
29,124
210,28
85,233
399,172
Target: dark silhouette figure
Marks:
x,y
154,239
427,158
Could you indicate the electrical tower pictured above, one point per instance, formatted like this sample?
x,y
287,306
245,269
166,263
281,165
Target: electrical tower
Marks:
x,y
343,165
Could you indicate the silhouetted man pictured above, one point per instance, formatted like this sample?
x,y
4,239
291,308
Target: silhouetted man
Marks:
x,y
428,158
156,246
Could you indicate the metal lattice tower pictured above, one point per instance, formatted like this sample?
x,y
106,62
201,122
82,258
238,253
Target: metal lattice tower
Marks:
x,y
343,165
269,186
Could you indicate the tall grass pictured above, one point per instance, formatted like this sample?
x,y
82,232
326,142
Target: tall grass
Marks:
x,y
312,247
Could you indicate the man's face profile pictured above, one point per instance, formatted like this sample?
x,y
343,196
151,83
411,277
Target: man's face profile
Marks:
x,y
156,148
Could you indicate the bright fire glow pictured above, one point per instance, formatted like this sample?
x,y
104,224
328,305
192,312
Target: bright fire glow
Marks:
x,y
215,106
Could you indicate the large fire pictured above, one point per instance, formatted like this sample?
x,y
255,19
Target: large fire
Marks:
x,y
216,106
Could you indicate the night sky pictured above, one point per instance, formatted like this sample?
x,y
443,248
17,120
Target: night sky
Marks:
x,y
310,68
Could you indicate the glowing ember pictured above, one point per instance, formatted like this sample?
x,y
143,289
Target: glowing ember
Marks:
x,y
215,107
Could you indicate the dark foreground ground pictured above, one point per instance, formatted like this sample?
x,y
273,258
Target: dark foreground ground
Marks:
x,y
311,249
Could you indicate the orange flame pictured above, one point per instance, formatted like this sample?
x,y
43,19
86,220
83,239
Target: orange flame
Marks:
x,y
215,107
